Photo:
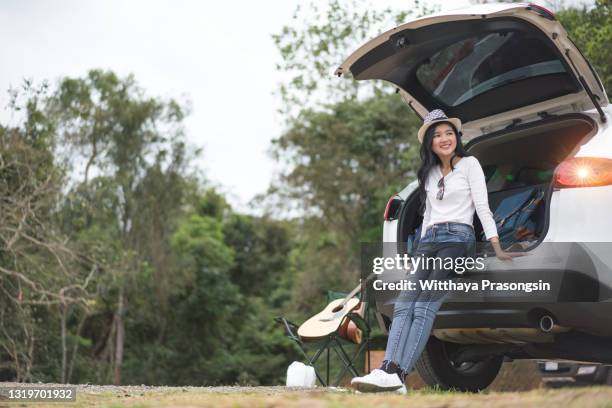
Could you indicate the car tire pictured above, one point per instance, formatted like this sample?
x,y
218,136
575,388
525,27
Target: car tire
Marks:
x,y
437,370
602,375
609,376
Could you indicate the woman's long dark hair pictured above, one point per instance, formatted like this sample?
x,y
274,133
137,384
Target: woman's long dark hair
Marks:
x,y
429,159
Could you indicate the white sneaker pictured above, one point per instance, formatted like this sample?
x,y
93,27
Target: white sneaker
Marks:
x,y
378,381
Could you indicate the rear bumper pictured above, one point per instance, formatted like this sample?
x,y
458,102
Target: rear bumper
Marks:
x,y
476,315
590,317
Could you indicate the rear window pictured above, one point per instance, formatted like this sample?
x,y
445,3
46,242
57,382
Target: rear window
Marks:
x,y
480,63
509,176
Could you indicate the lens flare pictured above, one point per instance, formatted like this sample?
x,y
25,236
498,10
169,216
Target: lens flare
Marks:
x,y
584,172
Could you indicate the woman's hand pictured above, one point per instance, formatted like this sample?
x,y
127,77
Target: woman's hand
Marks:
x,y
501,254
507,256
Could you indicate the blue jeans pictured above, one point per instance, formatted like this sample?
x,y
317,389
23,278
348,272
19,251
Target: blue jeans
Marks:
x,y
415,310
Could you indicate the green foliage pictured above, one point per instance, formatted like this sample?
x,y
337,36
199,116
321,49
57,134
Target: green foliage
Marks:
x,y
344,163
219,327
262,253
347,146
316,42
135,146
199,241
591,29
40,273
191,286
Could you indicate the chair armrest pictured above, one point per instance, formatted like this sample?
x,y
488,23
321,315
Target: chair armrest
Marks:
x,y
289,327
360,322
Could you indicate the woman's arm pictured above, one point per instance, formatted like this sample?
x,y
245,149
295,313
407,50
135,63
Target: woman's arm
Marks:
x,y
480,196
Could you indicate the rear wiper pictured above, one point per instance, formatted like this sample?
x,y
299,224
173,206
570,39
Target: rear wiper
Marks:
x,y
587,89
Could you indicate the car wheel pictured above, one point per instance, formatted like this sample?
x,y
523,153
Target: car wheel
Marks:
x,y
437,369
602,375
608,380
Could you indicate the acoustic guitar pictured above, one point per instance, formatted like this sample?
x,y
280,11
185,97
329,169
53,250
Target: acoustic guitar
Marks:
x,y
332,317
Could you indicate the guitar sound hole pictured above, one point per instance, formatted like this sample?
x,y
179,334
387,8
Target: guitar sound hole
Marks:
x,y
337,309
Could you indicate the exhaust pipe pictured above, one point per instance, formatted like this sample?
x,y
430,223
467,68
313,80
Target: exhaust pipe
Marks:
x,y
547,323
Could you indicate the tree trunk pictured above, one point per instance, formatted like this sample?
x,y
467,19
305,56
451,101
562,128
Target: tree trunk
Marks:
x,y
75,347
63,311
120,339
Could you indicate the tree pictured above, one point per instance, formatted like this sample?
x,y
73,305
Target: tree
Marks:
x,y
315,45
118,263
133,139
347,146
40,270
344,163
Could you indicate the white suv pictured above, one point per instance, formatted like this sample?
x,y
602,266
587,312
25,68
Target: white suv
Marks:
x,y
536,116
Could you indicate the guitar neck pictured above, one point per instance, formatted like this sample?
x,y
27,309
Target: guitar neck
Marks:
x,y
357,289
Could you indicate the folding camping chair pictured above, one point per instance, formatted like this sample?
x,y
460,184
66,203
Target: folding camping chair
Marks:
x,y
334,341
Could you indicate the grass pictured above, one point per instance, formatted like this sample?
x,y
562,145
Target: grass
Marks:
x,y
599,396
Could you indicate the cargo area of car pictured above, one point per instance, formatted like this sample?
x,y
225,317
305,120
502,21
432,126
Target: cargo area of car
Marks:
x,y
518,163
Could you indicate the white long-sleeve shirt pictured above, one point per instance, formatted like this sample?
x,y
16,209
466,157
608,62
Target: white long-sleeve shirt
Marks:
x,y
465,191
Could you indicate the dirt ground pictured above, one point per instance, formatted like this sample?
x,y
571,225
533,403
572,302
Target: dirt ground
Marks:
x,y
518,384
233,396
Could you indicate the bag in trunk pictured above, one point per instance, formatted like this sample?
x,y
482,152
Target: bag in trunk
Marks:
x,y
514,216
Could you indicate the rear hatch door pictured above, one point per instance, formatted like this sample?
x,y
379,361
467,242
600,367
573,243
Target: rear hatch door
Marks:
x,y
490,65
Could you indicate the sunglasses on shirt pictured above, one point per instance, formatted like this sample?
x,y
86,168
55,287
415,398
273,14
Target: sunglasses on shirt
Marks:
x,y
440,194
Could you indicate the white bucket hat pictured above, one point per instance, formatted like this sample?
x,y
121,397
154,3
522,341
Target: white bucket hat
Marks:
x,y
433,117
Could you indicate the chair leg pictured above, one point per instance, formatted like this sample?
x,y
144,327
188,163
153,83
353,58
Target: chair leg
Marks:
x,y
327,367
348,361
314,359
369,368
311,362
368,322
323,383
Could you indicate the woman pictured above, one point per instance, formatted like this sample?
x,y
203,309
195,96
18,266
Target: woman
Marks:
x,y
452,186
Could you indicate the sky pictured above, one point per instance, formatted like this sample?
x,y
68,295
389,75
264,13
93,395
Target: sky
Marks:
x,y
219,56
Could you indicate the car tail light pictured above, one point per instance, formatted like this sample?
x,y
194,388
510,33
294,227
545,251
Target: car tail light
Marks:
x,y
543,11
392,208
583,172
